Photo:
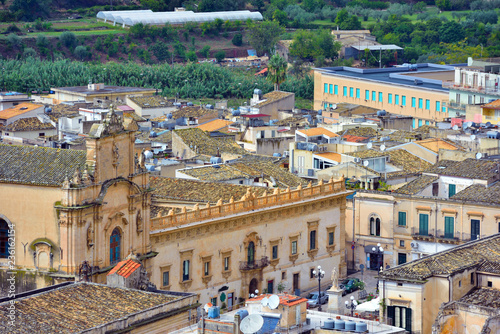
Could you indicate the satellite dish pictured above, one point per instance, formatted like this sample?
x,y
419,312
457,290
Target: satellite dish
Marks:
x,y
369,145
264,302
155,161
472,137
273,302
479,155
357,160
382,148
366,163
252,324
334,106
488,124
455,127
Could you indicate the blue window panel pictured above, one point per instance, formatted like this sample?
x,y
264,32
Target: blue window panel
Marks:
x,y
389,98
351,92
403,100
330,105
380,97
414,123
413,102
358,93
326,105
114,246
331,89
438,106
367,95
374,95
326,88
426,122
420,103
419,123
427,104
336,90
345,91
443,109
396,99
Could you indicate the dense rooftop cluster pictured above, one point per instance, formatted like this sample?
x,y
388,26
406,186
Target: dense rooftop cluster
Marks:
x,y
28,124
468,168
153,101
207,145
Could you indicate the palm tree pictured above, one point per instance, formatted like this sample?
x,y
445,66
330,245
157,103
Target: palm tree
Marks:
x,y
277,67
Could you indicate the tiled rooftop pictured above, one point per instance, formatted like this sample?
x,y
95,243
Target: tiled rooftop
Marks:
x,y
216,124
216,173
330,156
163,137
133,116
480,193
366,154
77,307
292,121
449,261
417,185
360,132
407,161
489,267
20,109
194,111
125,268
318,132
154,101
485,297
197,191
402,135
39,165
208,145
28,124
272,97
469,168
435,144
493,105
354,139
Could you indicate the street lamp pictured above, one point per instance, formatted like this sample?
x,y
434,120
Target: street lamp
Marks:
x,y
379,250
319,275
252,295
352,305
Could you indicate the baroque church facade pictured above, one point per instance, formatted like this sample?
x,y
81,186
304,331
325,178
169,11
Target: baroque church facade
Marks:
x,y
67,207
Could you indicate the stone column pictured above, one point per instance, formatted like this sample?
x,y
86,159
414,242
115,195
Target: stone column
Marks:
x,y
335,301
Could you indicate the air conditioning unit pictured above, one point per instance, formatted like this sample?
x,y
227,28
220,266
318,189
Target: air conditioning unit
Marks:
x,y
414,244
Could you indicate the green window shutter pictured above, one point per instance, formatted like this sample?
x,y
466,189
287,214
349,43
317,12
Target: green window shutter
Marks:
x,y
449,223
402,219
423,224
452,190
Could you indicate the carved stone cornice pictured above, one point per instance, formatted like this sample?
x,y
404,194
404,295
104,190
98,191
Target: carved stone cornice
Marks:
x,y
185,285
312,253
294,258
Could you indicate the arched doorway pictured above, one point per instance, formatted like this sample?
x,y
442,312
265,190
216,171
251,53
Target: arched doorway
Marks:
x,y
254,285
4,239
114,246
251,253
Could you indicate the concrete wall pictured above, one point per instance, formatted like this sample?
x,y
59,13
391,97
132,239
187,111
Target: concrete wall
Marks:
x,y
268,146
273,108
418,151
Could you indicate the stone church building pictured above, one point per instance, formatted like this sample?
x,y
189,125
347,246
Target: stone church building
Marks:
x,y
68,206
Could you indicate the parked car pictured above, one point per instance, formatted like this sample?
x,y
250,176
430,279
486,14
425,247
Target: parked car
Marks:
x,y
312,299
349,285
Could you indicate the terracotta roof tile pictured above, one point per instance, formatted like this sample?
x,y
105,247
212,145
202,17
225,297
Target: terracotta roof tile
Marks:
x,y
354,139
208,145
216,124
125,268
20,109
435,144
29,124
483,296
468,168
318,132
330,156
493,105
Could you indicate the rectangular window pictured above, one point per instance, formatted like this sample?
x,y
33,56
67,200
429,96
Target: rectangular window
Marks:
x,y
443,108
166,278
423,224
344,91
326,105
472,278
402,218
458,98
367,95
331,238
214,301
374,95
206,268
474,229
427,104
326,88
414,123
419,123
396,99
413,102
438,106
294,247
358,93
226,263
401,243
490,284
380,97
420,103
351,92
311,273
312,240
336,90
401,258
185,270
403,101
449,223
275,252
452,190
331,89
389,98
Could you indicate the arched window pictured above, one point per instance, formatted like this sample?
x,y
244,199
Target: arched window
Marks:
x,y
251,253
114,246
375,226
4,239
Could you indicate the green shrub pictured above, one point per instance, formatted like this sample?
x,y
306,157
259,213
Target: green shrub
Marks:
x,y
29,52
220,55
237,39
68,39
81,52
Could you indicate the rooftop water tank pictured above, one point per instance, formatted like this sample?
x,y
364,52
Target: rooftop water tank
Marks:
x,y
329,324
320,112
48,109
169,116
350,326
361,327
278,155
493,134
214,312
381,113
312,147
190,104
148,154
257,91
209,106
151,168
242,313
339,324
235,112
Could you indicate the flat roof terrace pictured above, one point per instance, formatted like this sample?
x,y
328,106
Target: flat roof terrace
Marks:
x,y
428,76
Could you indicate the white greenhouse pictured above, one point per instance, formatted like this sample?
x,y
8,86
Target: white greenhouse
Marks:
x,y
128,18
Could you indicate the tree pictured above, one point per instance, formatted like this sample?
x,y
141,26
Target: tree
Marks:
x,y
191,56
280,16
264,35
29,10
205,51
443,4
220,55
14,40
29,52
258,4
419,7
161,51
451,32
220,5
310,45
277,67
352,23
237,39
81,52
68,39
341,17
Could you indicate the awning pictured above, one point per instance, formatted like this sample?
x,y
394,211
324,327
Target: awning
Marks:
x,y
261,71
371,306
